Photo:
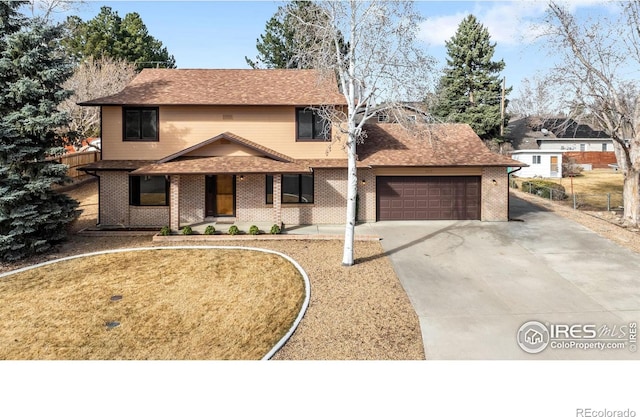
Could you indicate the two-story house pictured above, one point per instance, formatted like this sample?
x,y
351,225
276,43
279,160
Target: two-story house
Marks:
x,y
182,147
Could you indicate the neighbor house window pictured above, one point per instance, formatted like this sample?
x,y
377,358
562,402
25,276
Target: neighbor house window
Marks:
x,y
310,125
296,189
536,159
140,124
148,191
604,147
583,147
383,118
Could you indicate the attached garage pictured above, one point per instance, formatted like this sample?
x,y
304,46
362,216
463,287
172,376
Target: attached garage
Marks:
x,y
428,198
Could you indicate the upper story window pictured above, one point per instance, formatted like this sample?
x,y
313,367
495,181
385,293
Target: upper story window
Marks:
x,y
536,159
140,124
604,147
310,126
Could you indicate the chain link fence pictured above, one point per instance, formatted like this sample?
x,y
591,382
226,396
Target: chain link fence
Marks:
x,y
579,201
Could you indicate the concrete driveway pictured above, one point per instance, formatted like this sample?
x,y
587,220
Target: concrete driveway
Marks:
x,y
474,284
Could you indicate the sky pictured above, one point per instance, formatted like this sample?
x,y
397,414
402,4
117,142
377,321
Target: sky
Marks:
x,y
219,34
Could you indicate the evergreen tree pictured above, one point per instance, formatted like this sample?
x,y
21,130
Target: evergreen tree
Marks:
x,y
108,35
32,69
280,46
470,90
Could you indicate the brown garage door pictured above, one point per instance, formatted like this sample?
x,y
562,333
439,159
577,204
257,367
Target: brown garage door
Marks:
x,y
428,198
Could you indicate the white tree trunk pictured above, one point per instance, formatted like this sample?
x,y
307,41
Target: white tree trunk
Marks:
x,y
352,191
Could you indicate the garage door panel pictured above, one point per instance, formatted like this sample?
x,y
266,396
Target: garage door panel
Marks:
x,y
428,198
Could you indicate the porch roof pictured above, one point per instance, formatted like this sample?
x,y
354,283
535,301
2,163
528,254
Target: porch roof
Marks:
x,y
222,165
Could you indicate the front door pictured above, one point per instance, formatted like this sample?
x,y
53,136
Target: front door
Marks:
x,y
220,196
554,166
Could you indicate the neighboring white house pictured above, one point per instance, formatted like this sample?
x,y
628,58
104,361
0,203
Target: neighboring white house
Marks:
x,y
542,163
576,144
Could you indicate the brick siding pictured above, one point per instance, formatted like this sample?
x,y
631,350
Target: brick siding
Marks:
x,y
495,195
329,207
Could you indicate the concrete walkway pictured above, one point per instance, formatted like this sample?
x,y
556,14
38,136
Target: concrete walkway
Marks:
x,y
474,284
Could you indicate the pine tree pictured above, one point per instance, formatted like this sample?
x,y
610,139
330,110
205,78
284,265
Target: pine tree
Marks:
x,y
32,68
470,90
108,35
280,45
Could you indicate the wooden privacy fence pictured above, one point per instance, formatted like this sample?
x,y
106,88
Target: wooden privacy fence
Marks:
x,y
77,160
596,159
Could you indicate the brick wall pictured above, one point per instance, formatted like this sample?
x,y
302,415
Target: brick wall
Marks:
x,y
149,216
114,198
495,195
192,198
250,199
329,205
114,204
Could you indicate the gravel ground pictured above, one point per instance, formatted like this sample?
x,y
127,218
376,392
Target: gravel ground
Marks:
x,y
355,313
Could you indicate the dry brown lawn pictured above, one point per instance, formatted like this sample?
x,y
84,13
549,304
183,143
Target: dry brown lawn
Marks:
x,y
591,188
175,304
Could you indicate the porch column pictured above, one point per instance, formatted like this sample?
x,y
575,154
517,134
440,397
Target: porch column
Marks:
x,y
277,200
174,202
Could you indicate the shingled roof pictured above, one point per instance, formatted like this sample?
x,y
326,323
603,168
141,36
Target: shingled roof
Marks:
x,y
225,87
437,145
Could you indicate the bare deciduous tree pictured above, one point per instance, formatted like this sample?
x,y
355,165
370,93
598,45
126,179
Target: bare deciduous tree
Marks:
x,y
93,79
537,96
46,8
371,47
600,75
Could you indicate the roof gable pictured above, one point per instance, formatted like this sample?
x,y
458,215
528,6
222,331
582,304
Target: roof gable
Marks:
x,y
228,136
226,87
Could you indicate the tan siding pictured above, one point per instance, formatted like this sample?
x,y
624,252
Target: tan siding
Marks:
x,y
217,149
184,126
429,171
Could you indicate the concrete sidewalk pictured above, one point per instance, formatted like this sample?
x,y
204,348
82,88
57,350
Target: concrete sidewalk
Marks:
x,y
474,284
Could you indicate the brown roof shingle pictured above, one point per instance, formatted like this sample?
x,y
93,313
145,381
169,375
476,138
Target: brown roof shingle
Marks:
x,y
225,87
428,145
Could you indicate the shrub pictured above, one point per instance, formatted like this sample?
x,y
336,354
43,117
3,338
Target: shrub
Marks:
x,y
187,230
233,230
253,230
275,230
545,189
165,231
570,168
209,230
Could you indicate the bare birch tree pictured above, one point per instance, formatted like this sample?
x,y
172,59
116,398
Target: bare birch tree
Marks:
x,y
93,78
600,74
372,50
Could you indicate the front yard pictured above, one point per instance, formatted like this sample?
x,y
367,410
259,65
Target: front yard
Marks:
x,y
151,304
360,312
